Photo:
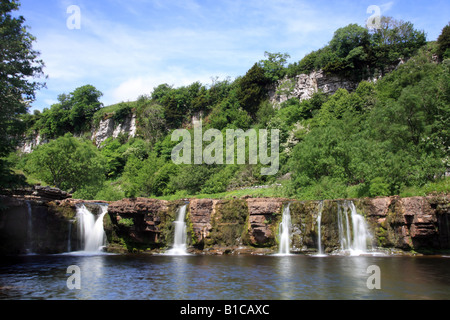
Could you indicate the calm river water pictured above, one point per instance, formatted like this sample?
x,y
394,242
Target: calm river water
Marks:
x,y
296,277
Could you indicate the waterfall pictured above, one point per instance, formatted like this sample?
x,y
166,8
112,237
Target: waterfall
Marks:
x,y
284,231
353,238
180,237
29,249
319,226
91,232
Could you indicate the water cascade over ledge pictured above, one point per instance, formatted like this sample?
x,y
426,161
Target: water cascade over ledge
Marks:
x,y
180,236
90,228
284,231
353,231
319,227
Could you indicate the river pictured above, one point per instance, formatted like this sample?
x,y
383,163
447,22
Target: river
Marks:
x,y
245,277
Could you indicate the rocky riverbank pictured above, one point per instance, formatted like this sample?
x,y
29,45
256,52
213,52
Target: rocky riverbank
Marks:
x,y
218,226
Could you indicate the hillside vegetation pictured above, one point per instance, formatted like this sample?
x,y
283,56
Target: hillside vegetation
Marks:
x,y
389,136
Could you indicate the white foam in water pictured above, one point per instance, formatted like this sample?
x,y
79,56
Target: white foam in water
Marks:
x,y
180,236
284,231
319,236
354,240
92,234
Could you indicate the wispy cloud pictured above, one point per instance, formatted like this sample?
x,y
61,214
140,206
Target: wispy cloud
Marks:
x,y
386,7
127,47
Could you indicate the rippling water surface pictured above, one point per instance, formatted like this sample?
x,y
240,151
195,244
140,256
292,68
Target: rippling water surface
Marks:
x,y
295,277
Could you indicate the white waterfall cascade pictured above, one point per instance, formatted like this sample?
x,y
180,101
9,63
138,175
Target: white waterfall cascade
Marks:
x,y
353,231
92,234
319,231
285,231
180,236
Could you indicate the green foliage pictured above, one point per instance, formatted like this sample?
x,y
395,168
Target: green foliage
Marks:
x,y
274,65
111,191
83,103
191,178
181,103
378,188
229,114
382,138
443,43
393,41
357,53
122,112
114,153
19,69
69,164
150,116
73,113
143,178
252,89
126,222
8,178
219,181
348,39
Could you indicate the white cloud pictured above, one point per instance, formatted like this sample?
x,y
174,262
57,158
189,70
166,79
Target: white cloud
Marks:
x,y
386,7
125,59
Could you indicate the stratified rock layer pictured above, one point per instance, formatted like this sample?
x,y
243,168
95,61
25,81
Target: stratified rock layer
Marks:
x,y
213,226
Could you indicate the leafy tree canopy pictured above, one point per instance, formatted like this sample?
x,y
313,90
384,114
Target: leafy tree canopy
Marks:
x,y
69,164
19,67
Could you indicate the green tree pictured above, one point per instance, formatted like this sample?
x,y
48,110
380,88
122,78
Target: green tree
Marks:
x,y
141,176
229,114
114,153
69,164
84,103
252,89
191,178
348,38
395,40
444,43
181,103
152,124
19,69
73,113
274,65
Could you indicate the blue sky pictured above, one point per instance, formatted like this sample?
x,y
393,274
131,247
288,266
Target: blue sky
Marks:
x,y
125,48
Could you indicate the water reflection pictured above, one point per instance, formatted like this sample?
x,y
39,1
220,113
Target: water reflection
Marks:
x,y
287,272
296,277
92,277
180,277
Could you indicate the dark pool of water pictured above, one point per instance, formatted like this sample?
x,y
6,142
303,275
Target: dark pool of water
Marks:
x,y
297,277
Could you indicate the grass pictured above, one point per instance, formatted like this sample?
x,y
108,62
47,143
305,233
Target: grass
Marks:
x,y
30,180
110,110
435,187
276,191
270,192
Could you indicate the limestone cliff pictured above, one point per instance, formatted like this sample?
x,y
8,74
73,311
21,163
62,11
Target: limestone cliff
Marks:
x,y
303,86
107,128
110,128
